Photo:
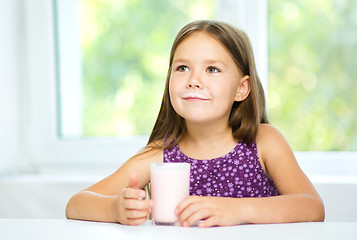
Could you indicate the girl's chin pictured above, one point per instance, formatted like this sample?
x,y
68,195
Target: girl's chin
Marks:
x,y
199,121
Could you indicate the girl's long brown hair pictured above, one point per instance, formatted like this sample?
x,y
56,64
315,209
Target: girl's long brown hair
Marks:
x,y
245,116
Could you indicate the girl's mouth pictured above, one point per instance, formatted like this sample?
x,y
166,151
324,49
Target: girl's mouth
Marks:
x,y
195,97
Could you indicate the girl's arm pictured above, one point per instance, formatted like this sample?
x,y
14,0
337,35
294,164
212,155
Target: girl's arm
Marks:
x,y
119,197
298,201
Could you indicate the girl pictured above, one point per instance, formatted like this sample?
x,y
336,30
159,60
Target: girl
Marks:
x,y
213,102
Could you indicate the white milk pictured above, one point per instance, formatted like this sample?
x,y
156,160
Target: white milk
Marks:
x,y
169,185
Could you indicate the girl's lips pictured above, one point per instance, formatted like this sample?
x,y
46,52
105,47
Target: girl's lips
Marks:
x,y
195,97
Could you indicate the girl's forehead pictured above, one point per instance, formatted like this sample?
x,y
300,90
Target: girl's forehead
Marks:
x,y
202,44
198,36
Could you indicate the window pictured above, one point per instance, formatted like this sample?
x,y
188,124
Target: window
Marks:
x,y
59,109
119,49
110,53
48,146
312,87
112,61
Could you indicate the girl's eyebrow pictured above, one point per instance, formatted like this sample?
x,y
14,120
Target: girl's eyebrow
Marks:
x,y
181,60
208,61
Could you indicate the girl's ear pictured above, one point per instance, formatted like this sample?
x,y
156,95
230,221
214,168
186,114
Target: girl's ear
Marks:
x,y
243,89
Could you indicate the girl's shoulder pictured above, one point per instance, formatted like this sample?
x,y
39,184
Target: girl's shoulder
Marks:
x,y
272,146
267,134
270,141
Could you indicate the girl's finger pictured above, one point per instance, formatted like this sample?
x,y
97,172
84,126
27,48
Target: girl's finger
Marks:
x,y
185,203
196,217
136,221
188,212
209,222
133,181
137,204
132,214
132,193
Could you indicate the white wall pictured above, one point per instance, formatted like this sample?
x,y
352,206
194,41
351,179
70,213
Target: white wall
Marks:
x,y
339,199
11,35
35,196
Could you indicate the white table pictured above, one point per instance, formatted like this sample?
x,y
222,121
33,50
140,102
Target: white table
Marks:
x,y
53,229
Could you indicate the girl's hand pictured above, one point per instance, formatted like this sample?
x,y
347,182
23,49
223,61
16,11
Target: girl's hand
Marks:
x,y
213,211
131,206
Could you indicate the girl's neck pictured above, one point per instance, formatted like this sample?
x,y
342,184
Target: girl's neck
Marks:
x,y
207,141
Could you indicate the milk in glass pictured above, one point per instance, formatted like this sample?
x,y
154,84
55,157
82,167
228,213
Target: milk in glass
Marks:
x,y
169,185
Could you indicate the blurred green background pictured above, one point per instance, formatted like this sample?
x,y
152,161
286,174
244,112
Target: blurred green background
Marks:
x,y
312,91
126,47
312,73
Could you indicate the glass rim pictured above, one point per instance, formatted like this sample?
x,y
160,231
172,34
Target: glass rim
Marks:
x,y
170,165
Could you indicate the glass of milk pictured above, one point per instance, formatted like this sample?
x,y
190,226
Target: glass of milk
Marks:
x,y
169,185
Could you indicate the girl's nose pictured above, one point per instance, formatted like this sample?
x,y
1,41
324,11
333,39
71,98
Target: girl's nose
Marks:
x,y
195,85
194,82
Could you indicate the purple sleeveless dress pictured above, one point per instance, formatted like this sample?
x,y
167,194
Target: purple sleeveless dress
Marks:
x,y
236,174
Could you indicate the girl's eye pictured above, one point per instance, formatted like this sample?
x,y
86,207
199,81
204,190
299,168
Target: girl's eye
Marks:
x,y
182,68
212,70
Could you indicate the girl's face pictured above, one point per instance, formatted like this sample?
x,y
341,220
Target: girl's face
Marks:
x,y
205,80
